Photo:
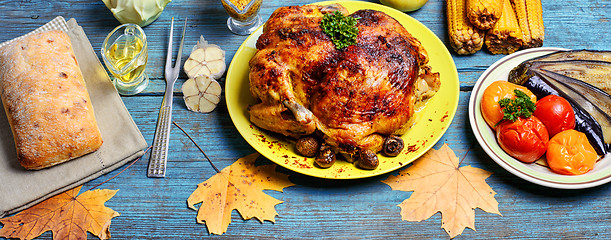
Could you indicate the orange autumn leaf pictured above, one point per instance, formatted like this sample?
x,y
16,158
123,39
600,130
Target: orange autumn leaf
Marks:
x,y
239,186
439,185
67,215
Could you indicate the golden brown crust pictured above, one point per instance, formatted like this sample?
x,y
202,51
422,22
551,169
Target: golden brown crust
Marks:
x,y
354,96
46,101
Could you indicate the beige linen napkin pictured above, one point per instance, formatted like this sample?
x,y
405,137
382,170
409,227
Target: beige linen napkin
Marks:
x,y
20,188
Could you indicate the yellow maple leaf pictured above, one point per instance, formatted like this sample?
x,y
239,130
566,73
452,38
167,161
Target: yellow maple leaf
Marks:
x,y
66,215
239,186
439,185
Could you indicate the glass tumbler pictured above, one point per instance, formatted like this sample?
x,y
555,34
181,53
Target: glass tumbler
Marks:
x,y
244,15
125,54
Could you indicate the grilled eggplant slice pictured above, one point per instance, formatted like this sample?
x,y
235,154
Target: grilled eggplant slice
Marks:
x,y
529,79
576,55
583,77
595,73
586,124
584,70
600,99
540,86
592,67
586,97
583,120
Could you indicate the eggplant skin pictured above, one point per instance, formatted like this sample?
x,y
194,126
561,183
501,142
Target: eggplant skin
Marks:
x,y
584,54
583,77
520,74
588,98
586,124
540,85
583,121
590,66
595,73
599,99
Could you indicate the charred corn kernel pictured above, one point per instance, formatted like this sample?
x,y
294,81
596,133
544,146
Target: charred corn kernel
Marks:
x,y
464,38
483,14
530,19
505,37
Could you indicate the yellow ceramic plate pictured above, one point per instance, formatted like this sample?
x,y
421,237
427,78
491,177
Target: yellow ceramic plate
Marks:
x,y
433,120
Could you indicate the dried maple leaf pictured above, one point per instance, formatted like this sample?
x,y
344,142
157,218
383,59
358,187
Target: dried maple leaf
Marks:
x,y
66,215
439,185
239,186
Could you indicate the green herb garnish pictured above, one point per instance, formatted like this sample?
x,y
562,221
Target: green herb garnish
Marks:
x,y
520,106
341,29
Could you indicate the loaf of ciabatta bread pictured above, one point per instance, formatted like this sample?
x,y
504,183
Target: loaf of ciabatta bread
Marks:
x,y
46,101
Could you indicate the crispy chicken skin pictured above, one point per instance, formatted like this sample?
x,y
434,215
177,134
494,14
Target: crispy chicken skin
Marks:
x,y
354,96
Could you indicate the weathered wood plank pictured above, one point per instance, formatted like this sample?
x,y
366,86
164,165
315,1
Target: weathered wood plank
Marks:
x,y
318,208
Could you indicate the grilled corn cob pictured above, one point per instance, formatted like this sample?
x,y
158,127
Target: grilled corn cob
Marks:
x,y
483,14
505,37
530,19
464,38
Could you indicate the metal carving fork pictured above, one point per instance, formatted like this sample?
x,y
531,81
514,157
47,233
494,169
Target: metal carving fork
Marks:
x,y
159,151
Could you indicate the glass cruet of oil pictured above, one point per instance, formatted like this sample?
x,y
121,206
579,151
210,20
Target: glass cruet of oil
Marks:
x,y
125,54
244,16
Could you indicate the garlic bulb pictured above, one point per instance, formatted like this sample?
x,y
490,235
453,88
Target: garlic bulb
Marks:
x,y
205,64
201,94
205,59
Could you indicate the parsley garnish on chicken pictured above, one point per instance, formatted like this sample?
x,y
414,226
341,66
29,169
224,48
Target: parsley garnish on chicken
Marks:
x,y
341,29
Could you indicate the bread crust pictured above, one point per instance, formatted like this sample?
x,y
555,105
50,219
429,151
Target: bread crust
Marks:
x,y
46,101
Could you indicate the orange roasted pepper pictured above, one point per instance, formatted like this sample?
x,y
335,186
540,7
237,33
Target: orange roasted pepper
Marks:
x,y
570,153
491,110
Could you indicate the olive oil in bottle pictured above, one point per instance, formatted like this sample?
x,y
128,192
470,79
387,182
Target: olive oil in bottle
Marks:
x,y
125,56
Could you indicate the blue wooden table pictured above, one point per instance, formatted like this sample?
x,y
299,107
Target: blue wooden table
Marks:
x,y
317,208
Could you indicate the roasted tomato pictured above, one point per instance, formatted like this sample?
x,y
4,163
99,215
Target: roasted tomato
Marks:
x,y
524,139
570,153
555,113
491,110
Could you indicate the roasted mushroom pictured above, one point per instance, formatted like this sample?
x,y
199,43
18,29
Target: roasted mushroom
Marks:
x,y
347,157
307,146
367,159
325,157
393,146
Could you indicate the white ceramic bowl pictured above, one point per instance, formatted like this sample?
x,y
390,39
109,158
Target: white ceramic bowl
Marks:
x,y
485,135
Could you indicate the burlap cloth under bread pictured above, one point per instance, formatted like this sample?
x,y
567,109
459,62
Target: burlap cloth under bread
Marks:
x,y
20,188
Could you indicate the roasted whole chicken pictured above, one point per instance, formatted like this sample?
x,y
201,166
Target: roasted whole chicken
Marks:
x,y
353,97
